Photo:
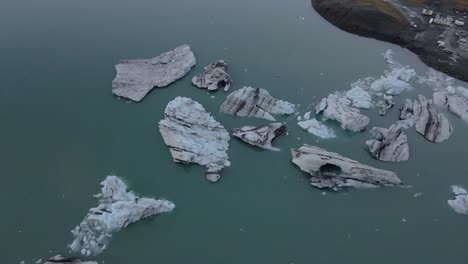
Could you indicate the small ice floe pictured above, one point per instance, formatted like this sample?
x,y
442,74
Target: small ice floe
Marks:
x,y
359,98
394,81
117,209
307,115
301,17
317,128
396,69
389,144
462,91
460,203
436,80
262,136
454,100
213,77
385,105
337,107
407,118
64,260
416,195
390,85
255,102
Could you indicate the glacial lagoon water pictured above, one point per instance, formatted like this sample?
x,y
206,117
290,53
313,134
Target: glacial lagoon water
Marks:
x,y
63,132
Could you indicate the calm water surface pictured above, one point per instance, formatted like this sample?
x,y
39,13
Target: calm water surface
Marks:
x,y
63,132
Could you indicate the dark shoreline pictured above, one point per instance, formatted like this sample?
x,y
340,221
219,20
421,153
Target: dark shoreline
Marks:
x,y
395,27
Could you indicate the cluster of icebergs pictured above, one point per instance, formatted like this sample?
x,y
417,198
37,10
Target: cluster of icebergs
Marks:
x,y
194,136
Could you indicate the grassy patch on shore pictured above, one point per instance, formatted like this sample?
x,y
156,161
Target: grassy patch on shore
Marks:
x,y
383,7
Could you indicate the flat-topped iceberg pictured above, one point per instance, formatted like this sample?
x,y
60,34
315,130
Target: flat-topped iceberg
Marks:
x,y
255,102
338,108
317,128
262,136
117,209
460,203
331,170
136,78
194,136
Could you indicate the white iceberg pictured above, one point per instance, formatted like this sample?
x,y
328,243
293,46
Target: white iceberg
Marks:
x,y
317,128
359,98
460,203
117,209
336,107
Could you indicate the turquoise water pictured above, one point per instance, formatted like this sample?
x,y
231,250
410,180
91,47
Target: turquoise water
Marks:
x,y
63,132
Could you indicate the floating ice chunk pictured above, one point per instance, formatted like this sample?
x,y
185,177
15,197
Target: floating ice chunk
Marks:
x,y
299,118
117,208
390,85
406,123
460,203
194,136
136,78
260,136
213,77
394,81
359,98
404,73
255,102
455,103
363,83
331,170
64,260
451,90
436,80
317,128
458,190
385,105
307,115
462,91
338,108
388,57
397,70
389,144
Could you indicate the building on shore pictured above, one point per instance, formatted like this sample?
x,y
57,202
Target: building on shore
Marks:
x,y
459,23
427,12
445,21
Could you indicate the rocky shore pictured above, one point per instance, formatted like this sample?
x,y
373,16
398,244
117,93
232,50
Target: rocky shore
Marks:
x,y
434,30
